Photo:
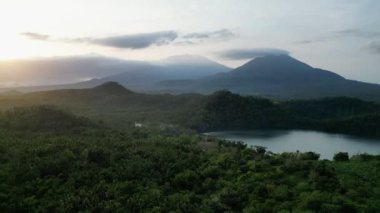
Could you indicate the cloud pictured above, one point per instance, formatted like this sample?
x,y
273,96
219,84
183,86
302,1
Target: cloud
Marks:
x,y
135,41
357,33
35,36
240,54
142,40
186,42
310,41
201,37
374,47
222,34
347,33
128,41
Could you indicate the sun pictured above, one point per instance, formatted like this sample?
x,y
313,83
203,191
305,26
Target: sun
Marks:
x,y
14,46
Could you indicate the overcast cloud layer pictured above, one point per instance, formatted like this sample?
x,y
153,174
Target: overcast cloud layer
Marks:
x,y
141,40
137,41
374,47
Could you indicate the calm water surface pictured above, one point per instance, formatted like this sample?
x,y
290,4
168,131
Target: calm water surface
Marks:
x,y
290,141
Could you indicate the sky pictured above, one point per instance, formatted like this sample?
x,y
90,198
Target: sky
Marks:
x,y
338,35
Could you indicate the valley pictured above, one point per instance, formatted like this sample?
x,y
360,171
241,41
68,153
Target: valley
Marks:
x,y
201,106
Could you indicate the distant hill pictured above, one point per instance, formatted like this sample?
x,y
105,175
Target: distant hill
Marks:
x,y
118,107
111,88
172,68
111,103
11,92
280,77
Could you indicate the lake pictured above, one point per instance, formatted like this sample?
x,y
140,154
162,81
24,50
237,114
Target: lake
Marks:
x,y
325,144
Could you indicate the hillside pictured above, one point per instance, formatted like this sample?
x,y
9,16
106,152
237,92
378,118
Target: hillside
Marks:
x,y
118,107
111,103
44,119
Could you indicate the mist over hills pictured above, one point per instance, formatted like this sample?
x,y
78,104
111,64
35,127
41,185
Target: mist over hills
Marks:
x,y
92,70
62,70
273,76
120,107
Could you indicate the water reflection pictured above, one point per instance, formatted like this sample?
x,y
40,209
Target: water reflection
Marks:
x,y
261,134
290,141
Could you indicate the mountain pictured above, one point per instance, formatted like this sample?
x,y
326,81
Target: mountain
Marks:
x,y
94,94
281,77
192,66
111,88
273,76
172,68
90,71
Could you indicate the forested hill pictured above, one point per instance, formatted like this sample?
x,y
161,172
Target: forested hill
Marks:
x,y
120,108
227,111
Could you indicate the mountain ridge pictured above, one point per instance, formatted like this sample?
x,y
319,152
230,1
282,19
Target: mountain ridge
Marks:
x,y
280,77
274,76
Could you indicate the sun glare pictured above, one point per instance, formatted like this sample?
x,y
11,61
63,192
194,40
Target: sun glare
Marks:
x,y
16,46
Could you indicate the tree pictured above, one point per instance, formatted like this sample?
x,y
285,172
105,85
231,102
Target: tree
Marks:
x,y
341,156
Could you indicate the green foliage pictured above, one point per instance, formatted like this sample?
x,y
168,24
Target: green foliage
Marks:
x,y
109,171
44,118
260,150
185,180
98,156
309,156
330,108
341,156
54,161
363,125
